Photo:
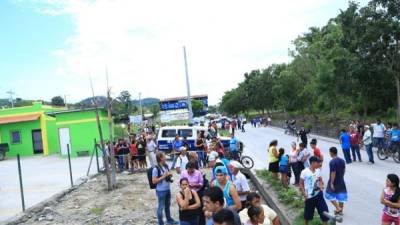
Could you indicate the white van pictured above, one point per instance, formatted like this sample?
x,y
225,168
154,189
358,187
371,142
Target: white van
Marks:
x,y
166,135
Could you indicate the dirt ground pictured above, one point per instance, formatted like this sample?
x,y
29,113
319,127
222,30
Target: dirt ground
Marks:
x,y
131,203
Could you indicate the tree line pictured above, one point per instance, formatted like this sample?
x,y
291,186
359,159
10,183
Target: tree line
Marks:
x,y
352,64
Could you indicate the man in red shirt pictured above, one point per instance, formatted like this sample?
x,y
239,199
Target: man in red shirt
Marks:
x,y
355,140
316,150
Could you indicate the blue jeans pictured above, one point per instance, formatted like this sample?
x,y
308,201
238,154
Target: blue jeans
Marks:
x,y
202,158
194,221
121,162
368,148
176,155
355,150
347,157
379,143
164,203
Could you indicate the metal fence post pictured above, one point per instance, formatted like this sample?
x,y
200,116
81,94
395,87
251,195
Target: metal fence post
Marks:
x,y
70,168
20,183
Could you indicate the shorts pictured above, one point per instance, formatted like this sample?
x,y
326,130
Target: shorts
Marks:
x,y
141,157
283,169
390,219
319,203
134,157
339,197
273,167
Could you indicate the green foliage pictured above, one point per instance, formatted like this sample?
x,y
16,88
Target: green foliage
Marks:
x,y
349,66
197,107
155,110
57,101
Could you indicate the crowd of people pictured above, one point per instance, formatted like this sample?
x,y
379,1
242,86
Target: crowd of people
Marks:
x,y
304,161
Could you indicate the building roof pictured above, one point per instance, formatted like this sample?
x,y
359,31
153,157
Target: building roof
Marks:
x,y
72,110
183,98
20,118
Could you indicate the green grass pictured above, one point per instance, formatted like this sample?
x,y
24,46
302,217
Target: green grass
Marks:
x,y
98,210
288,196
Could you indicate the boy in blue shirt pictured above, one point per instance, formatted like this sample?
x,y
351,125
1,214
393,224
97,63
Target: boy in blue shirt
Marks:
x,y
345,142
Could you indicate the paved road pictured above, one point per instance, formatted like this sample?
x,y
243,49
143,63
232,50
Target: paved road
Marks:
x,y
364,181
42,178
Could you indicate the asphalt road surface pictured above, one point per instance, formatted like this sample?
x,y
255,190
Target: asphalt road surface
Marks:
x,y
364,182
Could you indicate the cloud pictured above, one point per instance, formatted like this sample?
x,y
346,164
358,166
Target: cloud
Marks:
x,y
140,42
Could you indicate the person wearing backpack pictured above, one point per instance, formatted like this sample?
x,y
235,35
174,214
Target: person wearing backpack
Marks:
x,y
162,178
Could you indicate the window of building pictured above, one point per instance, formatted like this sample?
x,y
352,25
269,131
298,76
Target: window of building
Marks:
x,y
15,137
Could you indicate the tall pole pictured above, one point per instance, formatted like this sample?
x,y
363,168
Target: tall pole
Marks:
x,y
11,93
140,105
189,99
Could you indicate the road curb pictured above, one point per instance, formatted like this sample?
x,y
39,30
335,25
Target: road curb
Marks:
x,y
39,207
267,198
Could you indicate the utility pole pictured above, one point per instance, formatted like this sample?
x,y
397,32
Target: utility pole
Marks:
x,y
65,101
189,99
140,105
11,99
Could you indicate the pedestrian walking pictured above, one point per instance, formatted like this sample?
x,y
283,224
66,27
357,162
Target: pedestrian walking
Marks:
x,y
162,177
189,204
367,141
303,135
355,144
240,182
336,191
312,186
345,143
201,149
379,134
390,198
273,156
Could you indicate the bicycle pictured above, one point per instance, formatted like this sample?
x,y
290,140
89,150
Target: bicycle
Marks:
x,y
393,150
246,161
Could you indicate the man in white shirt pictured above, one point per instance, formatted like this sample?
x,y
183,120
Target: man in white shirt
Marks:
x,y
379,134
367,141
240,182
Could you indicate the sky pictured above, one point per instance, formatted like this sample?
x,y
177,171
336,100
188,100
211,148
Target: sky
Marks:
x,y
55,47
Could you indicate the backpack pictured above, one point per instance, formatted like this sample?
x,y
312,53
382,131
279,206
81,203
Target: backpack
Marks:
x,y
150,175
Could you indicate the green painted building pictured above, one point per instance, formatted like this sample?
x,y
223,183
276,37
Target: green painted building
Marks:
x,y
41,129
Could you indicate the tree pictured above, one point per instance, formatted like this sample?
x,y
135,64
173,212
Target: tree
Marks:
x,y
212,109
197,107
125,99
57,101
155,110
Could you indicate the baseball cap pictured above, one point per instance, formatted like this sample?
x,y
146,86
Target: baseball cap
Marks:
x,y
314,159
236,165
220,169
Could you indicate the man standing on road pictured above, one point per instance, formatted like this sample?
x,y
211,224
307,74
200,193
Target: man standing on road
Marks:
x,y
379,134
336,191
367,141
312,186
176,146
355,144
345,142
234,146
303,135
304,156
240,182
151,150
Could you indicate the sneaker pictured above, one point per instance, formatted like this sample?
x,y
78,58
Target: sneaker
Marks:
x,y
172,222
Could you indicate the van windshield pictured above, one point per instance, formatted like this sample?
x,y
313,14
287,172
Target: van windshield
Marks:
x,y
185,132
168,133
